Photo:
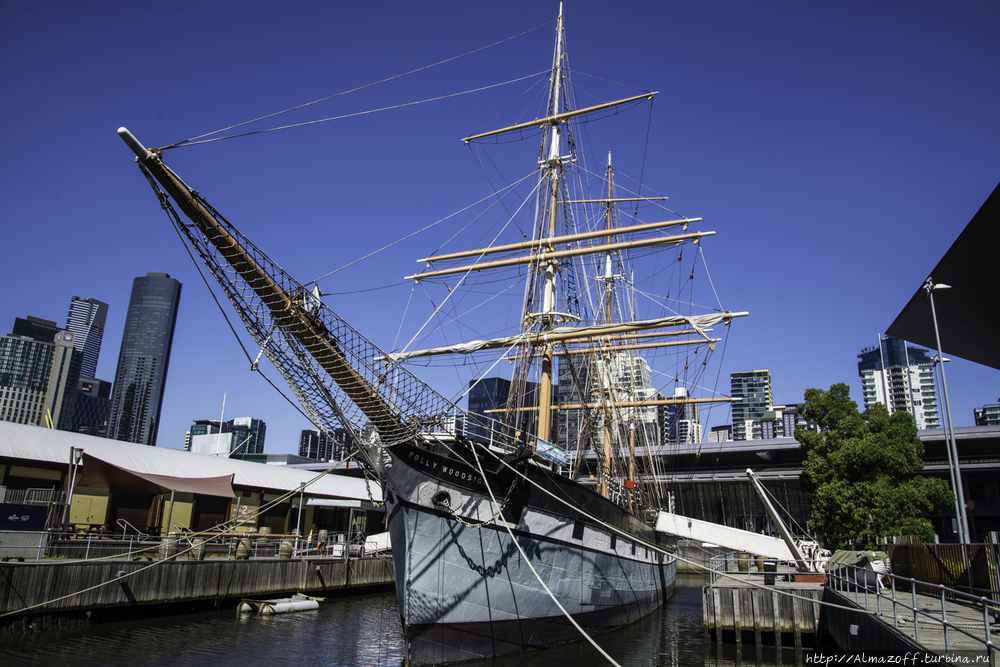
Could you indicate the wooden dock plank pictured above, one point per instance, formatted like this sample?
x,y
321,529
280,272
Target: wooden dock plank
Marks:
x,y
929,632
735,605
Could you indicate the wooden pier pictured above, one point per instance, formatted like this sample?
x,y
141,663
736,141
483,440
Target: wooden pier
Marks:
x,y
50,595
742,608
863,621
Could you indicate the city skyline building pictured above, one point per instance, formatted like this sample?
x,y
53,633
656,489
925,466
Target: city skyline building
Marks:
x,y
91,413
249,435
239,436
900,377
35,328
988,415
722,433
313,444
140,378
490,394
86,319
751,393
680,423
38,379
613,377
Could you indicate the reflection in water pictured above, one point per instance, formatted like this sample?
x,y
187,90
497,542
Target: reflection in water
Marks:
x,y
359,632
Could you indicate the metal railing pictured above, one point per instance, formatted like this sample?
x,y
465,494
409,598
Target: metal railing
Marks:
x,y
135,545
744,566
32,496
862,582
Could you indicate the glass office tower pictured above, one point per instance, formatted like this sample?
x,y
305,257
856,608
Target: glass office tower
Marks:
x,y
86,320
137,395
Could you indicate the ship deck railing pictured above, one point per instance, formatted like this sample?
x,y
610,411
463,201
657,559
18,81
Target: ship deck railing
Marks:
x,y
85,542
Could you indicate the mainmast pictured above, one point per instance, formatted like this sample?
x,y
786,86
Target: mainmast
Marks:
x,y
554,169
603,486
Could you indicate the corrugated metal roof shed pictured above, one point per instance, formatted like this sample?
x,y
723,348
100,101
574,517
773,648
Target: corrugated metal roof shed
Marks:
x,y
32,443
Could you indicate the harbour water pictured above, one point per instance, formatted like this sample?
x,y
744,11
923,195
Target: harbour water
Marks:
x,y
360,631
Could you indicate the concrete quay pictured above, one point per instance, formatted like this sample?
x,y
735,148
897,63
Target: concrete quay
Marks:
x,y
43,596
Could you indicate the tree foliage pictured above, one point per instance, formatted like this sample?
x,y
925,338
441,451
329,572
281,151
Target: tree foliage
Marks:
x,y
859,469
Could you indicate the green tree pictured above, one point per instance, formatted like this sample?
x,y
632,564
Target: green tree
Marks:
x,y
858,471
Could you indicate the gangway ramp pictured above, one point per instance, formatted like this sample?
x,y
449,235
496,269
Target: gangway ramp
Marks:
x,y
723,536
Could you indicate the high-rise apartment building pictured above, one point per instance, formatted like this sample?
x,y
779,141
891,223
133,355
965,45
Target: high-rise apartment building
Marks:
x,y
988,415
624,378
249,435
137,395
86,320
488,395
616,377
679,422
900,377
38,379
240,436
314,444
485,396
751,393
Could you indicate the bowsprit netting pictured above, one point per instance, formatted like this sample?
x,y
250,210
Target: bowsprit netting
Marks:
x,y
340,377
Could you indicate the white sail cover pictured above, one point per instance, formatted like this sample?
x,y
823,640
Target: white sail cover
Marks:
x,y
696,322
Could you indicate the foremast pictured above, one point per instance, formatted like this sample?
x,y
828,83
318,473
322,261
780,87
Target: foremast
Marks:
x,y
340,378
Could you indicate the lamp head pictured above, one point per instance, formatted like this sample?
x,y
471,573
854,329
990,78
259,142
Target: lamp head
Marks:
x,y
931,286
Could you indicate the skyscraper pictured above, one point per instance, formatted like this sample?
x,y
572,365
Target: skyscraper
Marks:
x,y
680,423
137,395
91,414
248,435
485,395
313,444
35,328
38,380
86,319
900,378
751,392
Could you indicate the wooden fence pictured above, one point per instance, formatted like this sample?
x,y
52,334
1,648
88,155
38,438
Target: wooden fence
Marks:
x,y
972,568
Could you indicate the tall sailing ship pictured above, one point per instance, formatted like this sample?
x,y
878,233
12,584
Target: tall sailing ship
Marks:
x,y
527,525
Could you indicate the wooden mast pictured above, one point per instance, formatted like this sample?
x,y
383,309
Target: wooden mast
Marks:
x,y
547,320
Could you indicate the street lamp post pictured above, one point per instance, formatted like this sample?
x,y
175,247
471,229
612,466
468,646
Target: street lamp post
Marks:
x,y
960,515
937,361
302,495
75,454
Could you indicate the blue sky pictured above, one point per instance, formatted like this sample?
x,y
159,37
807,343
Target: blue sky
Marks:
x,y
838,149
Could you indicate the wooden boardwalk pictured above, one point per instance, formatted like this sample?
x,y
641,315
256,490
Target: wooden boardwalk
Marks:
x,y
924,628
742,609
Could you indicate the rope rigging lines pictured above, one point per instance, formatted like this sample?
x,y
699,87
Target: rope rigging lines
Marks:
x,y
201,139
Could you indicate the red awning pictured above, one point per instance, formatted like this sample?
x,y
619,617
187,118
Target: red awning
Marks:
x,y
98,473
